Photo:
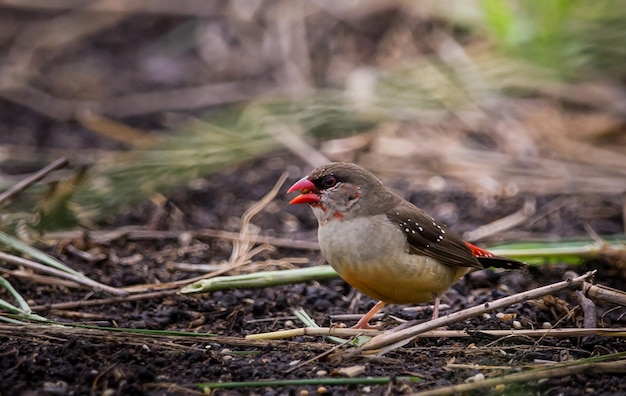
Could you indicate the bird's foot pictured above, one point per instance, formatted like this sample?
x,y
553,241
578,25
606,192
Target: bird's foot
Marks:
x,y
364,322
364,325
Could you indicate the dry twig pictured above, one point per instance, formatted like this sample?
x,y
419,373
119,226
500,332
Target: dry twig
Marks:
x,y
590,316
6,196
617,367
339,332
502,224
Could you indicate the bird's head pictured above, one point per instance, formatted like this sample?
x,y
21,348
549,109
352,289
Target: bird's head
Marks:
x,y
341,190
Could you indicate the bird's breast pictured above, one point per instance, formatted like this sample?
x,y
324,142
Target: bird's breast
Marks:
x,y
372,255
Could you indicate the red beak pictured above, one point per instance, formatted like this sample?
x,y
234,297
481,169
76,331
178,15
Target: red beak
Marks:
x,y
308,192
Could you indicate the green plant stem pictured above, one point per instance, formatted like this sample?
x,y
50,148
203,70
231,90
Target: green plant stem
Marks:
x,y
36,254
304,317
261,279
24,307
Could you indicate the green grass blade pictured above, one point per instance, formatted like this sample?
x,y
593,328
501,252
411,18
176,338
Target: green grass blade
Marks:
x,y
308,321
570,252
36,254
24,308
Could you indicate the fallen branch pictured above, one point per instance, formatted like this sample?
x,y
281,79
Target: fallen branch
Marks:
x,y
604,293
389,341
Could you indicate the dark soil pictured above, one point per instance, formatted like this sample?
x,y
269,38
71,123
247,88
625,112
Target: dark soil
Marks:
x,y
64,364
151,52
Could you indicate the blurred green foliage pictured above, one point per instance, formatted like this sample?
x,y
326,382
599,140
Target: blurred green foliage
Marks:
x,y
578,38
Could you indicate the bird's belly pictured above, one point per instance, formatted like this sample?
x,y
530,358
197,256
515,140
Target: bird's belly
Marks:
x,y
400,283
379,265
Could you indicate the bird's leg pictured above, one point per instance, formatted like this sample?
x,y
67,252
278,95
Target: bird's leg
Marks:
x,y
436,307
363,323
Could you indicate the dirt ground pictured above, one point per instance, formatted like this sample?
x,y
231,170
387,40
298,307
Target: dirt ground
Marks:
x,y
63,364
73,76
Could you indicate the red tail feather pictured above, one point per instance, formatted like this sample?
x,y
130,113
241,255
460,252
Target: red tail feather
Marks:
x,y
488,259
478,252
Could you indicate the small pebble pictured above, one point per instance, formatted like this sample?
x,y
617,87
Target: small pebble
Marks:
x,y
321,373
486,316
290,324
546,325
59,387
437,183
506,316
322,390
185,239
476,378
500,388
304,392
517,325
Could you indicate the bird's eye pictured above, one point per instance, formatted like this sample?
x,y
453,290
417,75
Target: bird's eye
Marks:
x,y
329,181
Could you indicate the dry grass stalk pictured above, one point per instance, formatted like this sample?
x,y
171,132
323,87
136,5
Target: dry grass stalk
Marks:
x,y
83,280
169,290
42,279
535,333
132,233
242,247
561,370
140,337
502,224
7,195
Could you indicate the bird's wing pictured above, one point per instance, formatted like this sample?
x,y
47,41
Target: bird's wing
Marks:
x,y
426,236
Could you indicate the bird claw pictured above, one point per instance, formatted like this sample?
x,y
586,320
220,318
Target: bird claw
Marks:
x,y
366,326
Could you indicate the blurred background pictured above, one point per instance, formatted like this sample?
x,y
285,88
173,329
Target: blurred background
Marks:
x,y
493,97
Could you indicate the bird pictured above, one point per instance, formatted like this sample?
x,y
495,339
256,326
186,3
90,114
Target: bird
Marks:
x,y
382,244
